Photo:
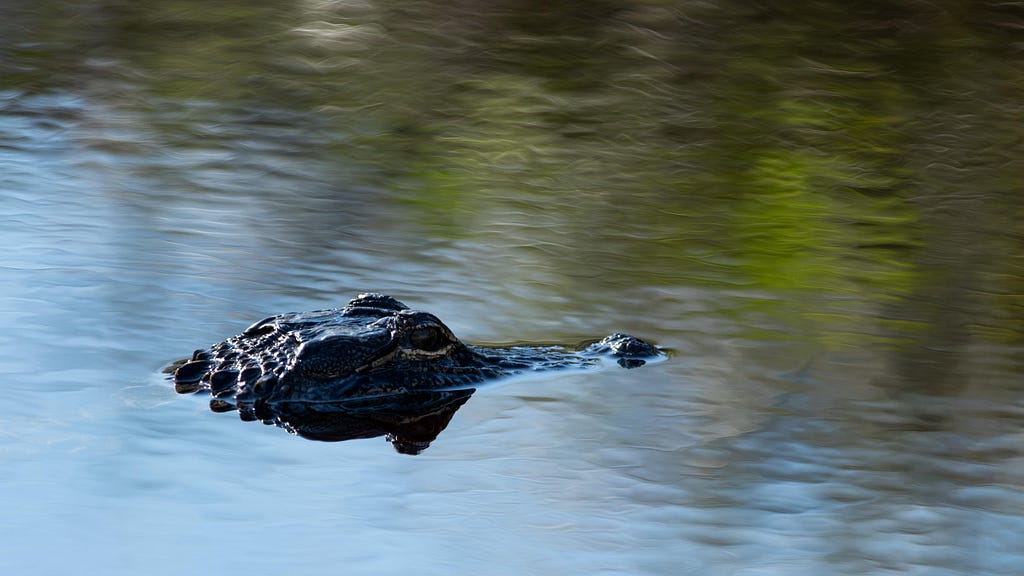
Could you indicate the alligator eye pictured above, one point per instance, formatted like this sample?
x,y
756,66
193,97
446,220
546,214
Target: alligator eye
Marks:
x,y
427,339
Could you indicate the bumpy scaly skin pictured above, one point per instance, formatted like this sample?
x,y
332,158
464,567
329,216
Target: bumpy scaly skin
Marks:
x,y
374,346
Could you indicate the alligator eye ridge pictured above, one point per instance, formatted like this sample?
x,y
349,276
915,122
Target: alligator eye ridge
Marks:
x,y
428,339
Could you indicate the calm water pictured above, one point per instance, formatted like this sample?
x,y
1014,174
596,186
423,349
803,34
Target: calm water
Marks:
x,y
818,211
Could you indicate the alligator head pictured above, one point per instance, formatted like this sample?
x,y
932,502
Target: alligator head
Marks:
x,y
374,350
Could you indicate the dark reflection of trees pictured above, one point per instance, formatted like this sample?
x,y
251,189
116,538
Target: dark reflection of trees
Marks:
x,y
569,46
410,421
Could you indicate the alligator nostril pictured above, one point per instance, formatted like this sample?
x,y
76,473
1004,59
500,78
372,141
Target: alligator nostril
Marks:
x,y
630,346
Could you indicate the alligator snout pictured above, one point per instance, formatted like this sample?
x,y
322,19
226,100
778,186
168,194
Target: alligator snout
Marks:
x,y
630,351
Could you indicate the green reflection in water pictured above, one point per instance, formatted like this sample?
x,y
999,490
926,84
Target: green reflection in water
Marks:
x,y
842,162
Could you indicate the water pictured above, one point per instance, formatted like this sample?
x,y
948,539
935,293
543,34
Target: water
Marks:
x,y
817,211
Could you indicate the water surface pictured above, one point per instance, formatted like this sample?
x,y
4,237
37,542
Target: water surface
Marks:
x,y
817,210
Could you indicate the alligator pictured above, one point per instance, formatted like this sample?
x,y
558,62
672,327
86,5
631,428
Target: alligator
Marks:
x,y
372,367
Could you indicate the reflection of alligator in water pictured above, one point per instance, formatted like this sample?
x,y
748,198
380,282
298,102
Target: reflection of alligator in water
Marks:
x,y
373,367
411,420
